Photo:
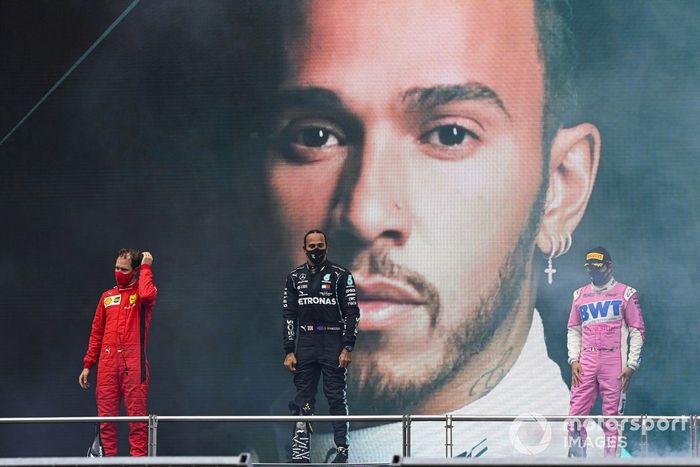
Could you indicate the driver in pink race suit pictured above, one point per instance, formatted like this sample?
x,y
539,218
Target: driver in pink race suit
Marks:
x,y
605,314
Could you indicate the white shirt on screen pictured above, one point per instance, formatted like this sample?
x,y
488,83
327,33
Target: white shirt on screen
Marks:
x,y
532,386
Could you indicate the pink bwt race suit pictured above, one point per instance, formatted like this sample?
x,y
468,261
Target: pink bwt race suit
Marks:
x,y
600,323
118,341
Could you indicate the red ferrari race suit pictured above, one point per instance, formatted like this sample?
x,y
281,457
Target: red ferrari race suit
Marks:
x,y
118,340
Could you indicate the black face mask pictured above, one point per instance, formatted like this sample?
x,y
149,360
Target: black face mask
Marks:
x,y
316,256
597,276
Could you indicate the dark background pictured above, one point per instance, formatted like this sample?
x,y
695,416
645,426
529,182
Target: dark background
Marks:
x,y
136,148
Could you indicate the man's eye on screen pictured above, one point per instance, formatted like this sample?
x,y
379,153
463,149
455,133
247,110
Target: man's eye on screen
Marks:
x,y
316,137
449,141
312,143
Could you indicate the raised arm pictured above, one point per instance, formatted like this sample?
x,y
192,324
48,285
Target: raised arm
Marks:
x,y
147,289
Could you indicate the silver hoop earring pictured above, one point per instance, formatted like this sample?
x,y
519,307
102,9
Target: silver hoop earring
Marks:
x,y
568,241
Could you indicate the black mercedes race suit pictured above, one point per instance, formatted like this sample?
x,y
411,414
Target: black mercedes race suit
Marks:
x,y
322,304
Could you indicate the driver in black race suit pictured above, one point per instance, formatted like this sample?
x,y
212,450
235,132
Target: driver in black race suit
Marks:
x,y
320,301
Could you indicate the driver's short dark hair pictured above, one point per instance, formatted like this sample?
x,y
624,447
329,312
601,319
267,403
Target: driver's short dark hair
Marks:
x,y
313,231
130,254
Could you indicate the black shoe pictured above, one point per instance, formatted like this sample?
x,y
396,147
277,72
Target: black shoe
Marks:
x,y
341,456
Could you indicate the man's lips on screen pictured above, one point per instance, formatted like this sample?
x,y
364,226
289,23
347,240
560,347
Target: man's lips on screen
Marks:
x,y
383,301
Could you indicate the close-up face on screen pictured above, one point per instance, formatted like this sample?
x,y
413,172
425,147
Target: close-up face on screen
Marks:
x,y
461,161
426,168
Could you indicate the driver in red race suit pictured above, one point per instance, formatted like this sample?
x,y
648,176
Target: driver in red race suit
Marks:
x,y
118,342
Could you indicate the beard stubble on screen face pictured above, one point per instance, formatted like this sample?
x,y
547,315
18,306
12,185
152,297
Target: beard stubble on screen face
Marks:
x,y
372,389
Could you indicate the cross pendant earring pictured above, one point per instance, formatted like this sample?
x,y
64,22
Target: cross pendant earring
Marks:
x,y
550,270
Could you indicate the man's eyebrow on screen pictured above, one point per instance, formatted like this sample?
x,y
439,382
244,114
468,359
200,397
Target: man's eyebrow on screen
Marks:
x,y
311,98
425,99
418,99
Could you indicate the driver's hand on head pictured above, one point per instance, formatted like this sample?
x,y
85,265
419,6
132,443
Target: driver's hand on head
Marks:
x,y
290,362
83,378
576,374
147,258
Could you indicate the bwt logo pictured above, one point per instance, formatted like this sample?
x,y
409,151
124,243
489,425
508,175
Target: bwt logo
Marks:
x,y
597,310
317,301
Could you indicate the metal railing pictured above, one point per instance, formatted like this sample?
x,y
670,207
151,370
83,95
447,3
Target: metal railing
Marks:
x,y
406,421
